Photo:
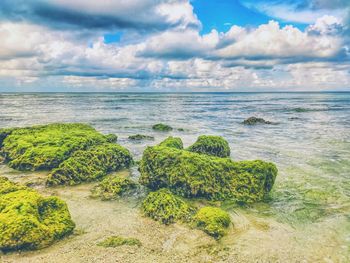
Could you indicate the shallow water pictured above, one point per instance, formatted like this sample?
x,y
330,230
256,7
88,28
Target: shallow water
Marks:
x,y
307,217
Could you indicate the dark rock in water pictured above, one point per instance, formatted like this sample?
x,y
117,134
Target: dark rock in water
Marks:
x,y
211,145
30,221
192,174
140,137
213,221
181,129
162,127
166,207
255,120
111,138
113,187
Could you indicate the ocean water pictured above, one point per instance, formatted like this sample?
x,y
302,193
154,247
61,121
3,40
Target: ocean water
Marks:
x,y
309,141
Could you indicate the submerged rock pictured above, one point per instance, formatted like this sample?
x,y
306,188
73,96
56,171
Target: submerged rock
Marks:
x,y
167,208
161,127
45,147
116,241
192,174
172,142
28,220
213,221
211,145
140,137
90,165
255,120
113,187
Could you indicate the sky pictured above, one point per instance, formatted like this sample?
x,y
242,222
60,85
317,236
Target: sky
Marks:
x,y
174,45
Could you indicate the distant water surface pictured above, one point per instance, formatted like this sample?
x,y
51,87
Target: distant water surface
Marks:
x,y
309,141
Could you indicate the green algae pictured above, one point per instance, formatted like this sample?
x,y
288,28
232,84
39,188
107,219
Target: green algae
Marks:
x,y
162,127
213,221
166,207
172,142
140,137
90,165
29,220
191,174
116,241
44,147
113,187
211,145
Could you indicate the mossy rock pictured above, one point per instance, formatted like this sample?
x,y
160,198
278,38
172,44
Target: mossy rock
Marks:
x,y
162,127
112,138
45,147
191,174
255,120
167,208
211,145
213,221
113,187
116,241
90,165
30,221
172,142
140,137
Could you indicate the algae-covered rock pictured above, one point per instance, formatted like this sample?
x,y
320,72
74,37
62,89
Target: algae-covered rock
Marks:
x,y
113,187
90,165
162,127
116,241
172,142
140,137
111,138
211,145
198,175
46,146
28,220
167,208
212,220
255,120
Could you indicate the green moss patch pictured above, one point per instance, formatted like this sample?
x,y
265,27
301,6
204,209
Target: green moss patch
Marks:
x,y
211,145
162,127
140,137
90,165
29,220
198,175
45,147
172,142
113,187
116,241
212,220
167,208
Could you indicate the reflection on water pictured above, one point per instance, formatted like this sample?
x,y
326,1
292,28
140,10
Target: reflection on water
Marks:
x,y
309,208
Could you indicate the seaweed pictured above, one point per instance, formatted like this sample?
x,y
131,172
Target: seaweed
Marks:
x,y
211,145
166,207
90,165
28,220
213,221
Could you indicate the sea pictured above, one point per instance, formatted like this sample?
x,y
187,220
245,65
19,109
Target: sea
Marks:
x,y
308,140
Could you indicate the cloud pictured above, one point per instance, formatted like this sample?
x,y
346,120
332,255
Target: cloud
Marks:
x,y
143,15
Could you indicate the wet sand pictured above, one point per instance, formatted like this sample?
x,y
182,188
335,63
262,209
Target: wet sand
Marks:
x,y
254,237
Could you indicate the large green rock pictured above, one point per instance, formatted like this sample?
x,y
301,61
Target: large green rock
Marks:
x,y
45,147
28,220
90,165
199,175
211,145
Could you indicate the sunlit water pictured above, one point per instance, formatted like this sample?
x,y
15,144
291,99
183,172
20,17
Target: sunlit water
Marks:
x,y
309,141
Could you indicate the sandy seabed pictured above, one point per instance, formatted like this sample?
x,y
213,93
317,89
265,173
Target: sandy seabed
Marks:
x,y
252,239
